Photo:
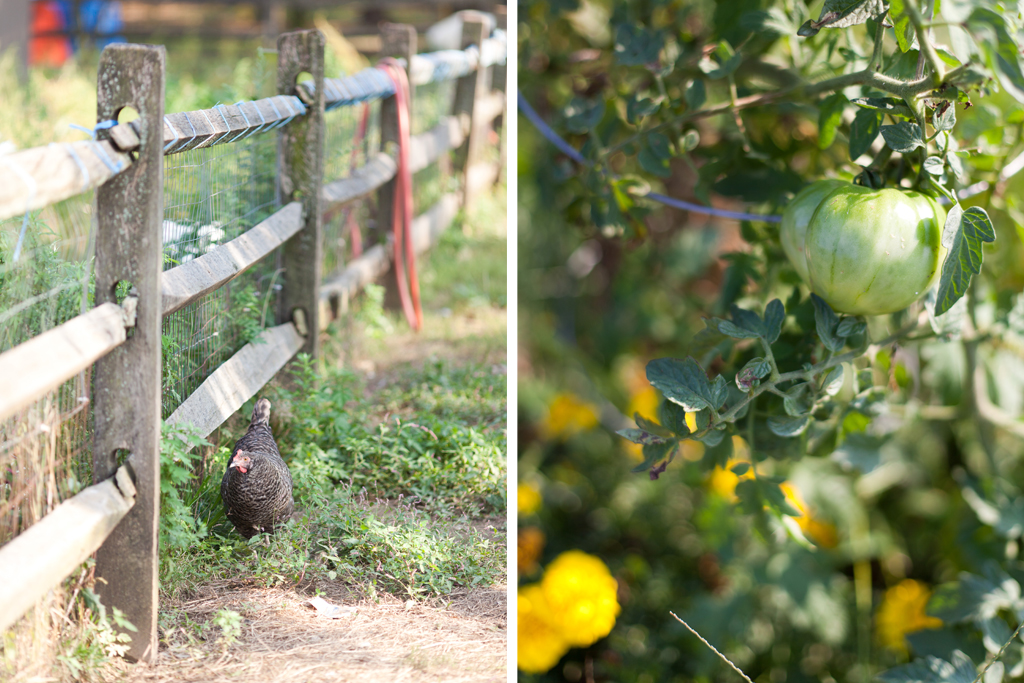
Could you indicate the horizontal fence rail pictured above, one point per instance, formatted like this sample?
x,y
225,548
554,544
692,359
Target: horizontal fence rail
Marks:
x,y
113,337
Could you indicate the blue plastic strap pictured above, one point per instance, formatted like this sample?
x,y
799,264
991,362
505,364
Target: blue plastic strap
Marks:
x,y
105,158
219,107
31,184
247,124
81,166
263,120
209,140
176,136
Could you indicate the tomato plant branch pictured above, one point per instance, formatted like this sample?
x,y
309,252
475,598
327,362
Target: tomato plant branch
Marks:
x,y
924,40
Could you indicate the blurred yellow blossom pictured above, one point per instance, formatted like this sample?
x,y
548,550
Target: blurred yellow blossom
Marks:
x,y
903,611
530,543
644,402
528,500
541,645
581,595
822,533
568,415
723,481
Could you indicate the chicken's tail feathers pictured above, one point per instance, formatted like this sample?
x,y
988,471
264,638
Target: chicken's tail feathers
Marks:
x,y
261,413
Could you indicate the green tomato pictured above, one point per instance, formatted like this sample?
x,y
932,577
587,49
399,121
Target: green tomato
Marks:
x,y
793,229
871,252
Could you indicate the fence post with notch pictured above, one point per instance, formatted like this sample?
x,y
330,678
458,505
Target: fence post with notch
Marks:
x,y
300,153
399,41
126,383
468,92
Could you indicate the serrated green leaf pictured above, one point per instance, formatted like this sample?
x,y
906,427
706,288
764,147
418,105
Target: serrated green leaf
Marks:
x,y
933,166
655,452
774,317
637,45
964,258
640,436
684,382
901,25
712,438
754,370
945,119
673,416
952,224
826,322
660,145
581,114
1002,54
830,115
903,137
832,382
863,131
843,13
788,426
653,164
637,107
793,406
732,330
696,94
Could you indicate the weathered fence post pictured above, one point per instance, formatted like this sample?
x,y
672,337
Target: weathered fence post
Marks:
x,y
300,154
126,382
499,82
468,92
397,40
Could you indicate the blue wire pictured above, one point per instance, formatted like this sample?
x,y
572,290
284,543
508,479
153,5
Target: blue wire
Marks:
x,y
568,150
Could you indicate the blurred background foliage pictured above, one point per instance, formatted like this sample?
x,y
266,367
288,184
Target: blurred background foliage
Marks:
x,y
906,544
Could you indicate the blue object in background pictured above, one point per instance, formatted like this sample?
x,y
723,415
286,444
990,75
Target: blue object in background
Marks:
x,y
100,17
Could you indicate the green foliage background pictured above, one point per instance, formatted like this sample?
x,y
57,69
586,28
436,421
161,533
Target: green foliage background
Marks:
x,y
916,460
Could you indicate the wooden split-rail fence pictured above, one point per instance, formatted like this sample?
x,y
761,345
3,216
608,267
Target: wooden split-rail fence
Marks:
x,y
117,517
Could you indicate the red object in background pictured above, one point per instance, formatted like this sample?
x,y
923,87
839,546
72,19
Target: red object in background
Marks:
x,y
48,50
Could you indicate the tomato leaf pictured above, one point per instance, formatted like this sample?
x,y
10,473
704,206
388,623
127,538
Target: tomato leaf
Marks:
x,y
945,119
637,107
832,382
652,163
843,13
748,376
636,45
830,115
728,62
696,94
788,426
684,382
640,436
826,322
660,145
653,452
581,115
933,166
949,230
903,137
965,257
774,317
901,25
863,131
673,416
933,670
1002,54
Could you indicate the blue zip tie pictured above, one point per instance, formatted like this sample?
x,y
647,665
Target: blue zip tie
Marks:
x,y
81,166
175,140
262,119
209,141
194,133
277,113
99,151
247,124
30,182
219,107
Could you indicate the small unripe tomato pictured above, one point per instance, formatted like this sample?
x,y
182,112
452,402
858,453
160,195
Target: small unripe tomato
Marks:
x,y
871,252
793,229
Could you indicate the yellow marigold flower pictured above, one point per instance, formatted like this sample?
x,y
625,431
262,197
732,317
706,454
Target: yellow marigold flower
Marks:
x,y
541,644
568,415
822,533
644,402
528,500
723,481
581,594
529,543
903,611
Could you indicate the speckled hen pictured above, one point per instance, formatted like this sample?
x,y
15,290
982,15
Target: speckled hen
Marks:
x,y
257,486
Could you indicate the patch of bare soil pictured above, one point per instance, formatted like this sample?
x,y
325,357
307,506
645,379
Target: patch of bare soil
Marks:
x,y
284,639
